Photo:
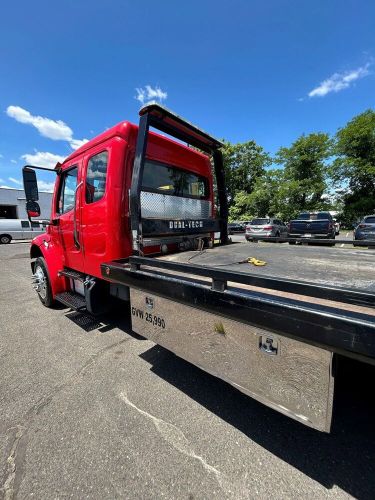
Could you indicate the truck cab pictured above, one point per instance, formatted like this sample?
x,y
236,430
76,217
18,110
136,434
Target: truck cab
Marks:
x,y
127,191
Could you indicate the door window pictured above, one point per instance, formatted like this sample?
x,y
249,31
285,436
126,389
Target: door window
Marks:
x,y
35,224
96,177
68,184
25,223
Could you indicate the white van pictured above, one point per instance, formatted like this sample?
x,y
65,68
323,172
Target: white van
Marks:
x,y
16,229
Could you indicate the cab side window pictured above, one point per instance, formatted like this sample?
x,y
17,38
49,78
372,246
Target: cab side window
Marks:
x,y
96,177
68,184
25,224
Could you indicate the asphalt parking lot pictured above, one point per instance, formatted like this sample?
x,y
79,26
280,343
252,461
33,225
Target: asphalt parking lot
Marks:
x,y
90,410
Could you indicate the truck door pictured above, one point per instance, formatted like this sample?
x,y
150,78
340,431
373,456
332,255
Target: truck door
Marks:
x,y
68,216
95,230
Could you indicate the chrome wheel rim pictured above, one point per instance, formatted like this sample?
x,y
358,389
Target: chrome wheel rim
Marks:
x,y
40,282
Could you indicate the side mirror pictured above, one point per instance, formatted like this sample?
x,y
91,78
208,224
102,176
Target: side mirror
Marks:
x,y
30,185
32,208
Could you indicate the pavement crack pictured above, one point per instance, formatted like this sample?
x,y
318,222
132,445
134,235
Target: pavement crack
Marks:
x,y
176,438
46,400
7,488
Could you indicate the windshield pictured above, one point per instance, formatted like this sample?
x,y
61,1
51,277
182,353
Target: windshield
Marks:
x,y
259,222
159,178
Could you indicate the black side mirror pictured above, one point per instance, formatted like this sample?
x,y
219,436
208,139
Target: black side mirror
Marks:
x,y
30,185
32,209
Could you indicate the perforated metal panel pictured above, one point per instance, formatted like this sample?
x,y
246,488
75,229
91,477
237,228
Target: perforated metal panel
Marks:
x,y
161,206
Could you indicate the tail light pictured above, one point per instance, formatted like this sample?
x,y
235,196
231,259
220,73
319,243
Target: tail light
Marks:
x,y
248,228
330,226
288,226
362,226
267,228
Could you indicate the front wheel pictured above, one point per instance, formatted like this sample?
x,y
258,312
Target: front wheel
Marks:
x,y
42,283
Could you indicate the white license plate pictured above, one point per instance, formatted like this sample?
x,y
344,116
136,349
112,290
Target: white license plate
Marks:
x,y
306,235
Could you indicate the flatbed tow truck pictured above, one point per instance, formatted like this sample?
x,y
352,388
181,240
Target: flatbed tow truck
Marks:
x,y
134,218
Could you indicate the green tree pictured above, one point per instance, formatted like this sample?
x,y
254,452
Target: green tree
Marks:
x,y
354,167
263,200
244,163
305,173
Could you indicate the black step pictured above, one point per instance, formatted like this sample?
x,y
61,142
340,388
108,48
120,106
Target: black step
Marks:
x,y
72,300
69,273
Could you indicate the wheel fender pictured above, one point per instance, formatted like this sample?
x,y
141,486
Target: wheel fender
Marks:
x,y
44,246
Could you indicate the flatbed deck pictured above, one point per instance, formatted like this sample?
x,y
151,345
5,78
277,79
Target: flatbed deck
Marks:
x,y
324,308
337,266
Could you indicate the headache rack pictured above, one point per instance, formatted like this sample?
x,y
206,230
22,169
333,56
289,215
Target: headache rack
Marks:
x,y
164,120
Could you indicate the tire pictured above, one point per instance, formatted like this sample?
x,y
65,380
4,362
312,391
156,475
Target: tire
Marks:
x,y
5,239
43,285
291,242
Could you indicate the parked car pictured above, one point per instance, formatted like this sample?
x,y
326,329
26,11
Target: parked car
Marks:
x,y
236,227
365,229
17,229
312,225
264,228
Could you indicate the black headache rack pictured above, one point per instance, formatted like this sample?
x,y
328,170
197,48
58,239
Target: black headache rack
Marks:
x,y
337,330
164,120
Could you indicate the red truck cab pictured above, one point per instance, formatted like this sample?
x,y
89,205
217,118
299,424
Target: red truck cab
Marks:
x,y
126,191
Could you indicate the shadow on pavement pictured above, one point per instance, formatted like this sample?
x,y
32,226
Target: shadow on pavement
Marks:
x,y
345,458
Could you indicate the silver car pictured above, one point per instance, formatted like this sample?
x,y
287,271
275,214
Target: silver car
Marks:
x,y
17,229
365,229
267,227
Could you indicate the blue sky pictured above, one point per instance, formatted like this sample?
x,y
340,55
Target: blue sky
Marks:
x,y
263,70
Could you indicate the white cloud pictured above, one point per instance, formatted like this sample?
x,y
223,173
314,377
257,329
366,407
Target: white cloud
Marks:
x,y
13,161
43,159
77,143
42,185
15,181
339,81
148,93
56,130
47,187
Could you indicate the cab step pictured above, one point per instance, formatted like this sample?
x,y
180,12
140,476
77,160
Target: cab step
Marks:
x,y
74,275
72,300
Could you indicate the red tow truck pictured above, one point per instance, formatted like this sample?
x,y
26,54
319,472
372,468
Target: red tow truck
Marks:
x,y
127,206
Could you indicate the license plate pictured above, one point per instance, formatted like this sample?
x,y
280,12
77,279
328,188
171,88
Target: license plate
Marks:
x,y
307,235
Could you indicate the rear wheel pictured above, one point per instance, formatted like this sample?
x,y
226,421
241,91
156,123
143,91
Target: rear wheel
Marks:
x,y
42,282
5,239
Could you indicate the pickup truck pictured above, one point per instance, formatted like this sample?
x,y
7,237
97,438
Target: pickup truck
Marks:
x,y
312,225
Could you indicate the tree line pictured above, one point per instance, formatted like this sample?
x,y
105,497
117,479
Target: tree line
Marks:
x,y
316,172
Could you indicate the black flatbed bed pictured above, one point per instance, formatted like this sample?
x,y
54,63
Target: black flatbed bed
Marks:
x,y
322,296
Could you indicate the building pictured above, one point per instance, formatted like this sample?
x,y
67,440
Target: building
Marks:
x,y
13,204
